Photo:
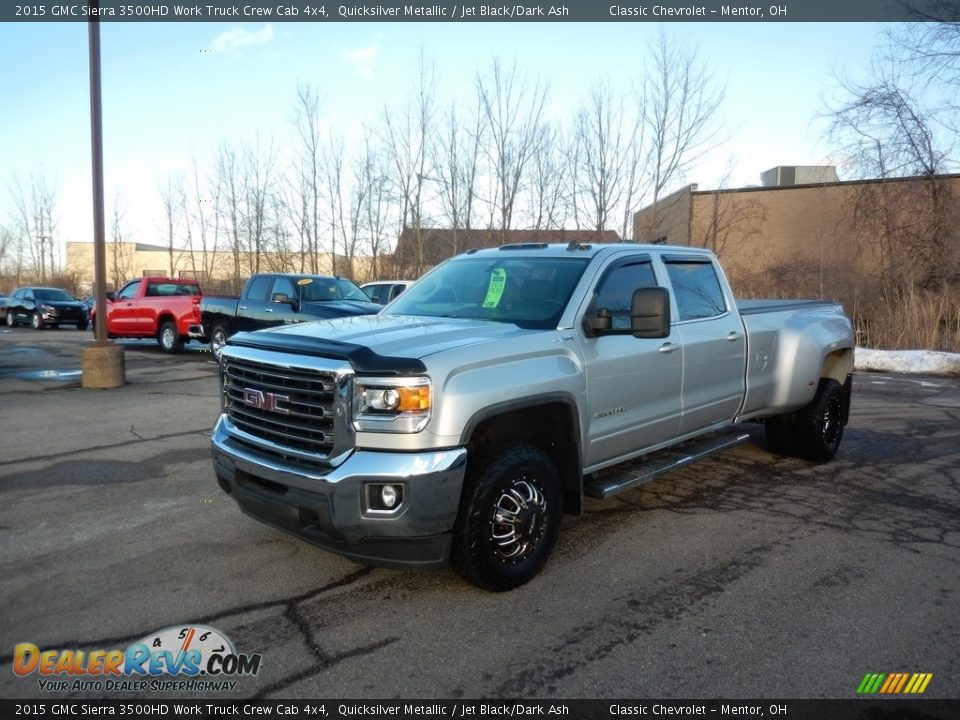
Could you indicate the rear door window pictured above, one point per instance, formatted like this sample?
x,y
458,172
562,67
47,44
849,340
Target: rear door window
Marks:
x,y
696,288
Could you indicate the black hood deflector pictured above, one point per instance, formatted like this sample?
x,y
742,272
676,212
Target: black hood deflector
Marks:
x,y
363,359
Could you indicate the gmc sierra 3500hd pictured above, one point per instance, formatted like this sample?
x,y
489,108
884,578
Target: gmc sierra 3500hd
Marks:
x,y
459,424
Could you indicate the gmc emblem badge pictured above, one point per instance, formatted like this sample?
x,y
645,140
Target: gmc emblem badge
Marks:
x,y
265,401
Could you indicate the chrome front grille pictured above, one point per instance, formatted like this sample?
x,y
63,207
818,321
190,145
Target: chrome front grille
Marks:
x,y
288,407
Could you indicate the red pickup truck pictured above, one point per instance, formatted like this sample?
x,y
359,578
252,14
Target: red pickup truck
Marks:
x,y
154,307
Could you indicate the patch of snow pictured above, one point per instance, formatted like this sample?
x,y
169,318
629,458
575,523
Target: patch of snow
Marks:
x,y
926,362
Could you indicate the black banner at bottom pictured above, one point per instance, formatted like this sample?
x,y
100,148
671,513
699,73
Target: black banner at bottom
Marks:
x,y
853,709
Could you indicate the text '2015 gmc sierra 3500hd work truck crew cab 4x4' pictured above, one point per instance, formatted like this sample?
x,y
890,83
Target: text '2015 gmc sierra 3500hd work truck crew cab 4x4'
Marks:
x,y
459,424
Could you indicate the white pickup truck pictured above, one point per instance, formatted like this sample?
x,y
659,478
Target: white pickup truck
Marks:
x,y
459,424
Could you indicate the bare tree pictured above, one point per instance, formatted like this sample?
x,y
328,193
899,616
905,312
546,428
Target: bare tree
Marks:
x,y
202,223
732,220
407,136
606,135
373,201
679,99
456,167
34,225
259,164
332,160
548,180
121,260
307,124
513,107
171,196
886,133
229,207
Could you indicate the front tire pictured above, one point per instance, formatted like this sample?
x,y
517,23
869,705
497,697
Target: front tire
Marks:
x,y
11,321
218,338
169,339
819,425
82,325
509,517
36,321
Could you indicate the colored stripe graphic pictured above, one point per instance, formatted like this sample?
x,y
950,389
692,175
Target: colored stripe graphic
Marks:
x,y
870,683
894,683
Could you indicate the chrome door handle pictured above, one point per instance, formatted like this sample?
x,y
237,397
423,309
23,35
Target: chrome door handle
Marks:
x,y
668,347
242,307
733,337
268,309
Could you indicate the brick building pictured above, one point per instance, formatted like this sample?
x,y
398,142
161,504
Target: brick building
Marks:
x,y
807,233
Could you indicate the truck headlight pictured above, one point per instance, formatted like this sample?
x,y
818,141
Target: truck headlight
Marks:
x,y
399,405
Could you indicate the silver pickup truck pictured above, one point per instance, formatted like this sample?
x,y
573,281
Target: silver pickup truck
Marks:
x,y
458,425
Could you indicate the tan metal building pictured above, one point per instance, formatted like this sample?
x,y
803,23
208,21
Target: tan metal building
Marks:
x,y
814,237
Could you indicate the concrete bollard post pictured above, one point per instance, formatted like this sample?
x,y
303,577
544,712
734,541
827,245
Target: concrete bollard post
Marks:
x,y
102,366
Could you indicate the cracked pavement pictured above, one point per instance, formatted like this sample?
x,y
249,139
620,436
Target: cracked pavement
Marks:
x,y
746,575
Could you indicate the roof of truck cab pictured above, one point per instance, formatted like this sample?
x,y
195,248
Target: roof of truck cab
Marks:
x,y
589,250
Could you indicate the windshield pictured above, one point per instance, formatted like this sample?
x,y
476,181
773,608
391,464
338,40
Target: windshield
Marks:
x,y
321,289
527,292
53,295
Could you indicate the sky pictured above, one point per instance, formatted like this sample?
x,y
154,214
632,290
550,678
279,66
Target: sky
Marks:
x,y
174,91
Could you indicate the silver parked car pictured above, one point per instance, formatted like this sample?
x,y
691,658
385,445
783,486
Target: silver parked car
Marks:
x,y
384,291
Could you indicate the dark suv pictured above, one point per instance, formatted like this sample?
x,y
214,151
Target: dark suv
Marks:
x,y
45,307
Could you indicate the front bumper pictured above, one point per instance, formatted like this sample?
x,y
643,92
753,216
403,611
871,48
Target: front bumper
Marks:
x,y
328,506
63,316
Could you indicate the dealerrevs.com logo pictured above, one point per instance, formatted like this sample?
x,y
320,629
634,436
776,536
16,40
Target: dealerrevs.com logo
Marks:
x,y
191,658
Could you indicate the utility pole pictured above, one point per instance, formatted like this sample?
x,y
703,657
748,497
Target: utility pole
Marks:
x,y
101,361
42,240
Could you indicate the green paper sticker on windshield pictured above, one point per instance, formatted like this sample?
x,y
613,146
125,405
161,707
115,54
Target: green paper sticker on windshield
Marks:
x,y
498,281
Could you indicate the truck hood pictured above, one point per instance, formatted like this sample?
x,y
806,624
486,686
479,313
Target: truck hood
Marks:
x,y
402,336
340,308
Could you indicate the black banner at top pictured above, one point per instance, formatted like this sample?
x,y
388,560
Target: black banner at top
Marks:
x,y
318,11
55,708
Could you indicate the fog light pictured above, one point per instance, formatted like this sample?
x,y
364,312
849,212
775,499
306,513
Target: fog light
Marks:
x,y
388,496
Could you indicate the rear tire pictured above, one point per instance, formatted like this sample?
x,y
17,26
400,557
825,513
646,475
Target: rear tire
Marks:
x,y
819,425
169,339
509,517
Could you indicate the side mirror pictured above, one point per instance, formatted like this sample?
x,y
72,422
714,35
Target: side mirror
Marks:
x,y
650,313
285,299
599,323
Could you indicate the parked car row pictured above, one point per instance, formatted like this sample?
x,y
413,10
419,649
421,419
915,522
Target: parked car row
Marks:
x,y
271,299
175,310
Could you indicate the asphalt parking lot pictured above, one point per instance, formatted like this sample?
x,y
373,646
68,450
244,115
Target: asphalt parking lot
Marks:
x,y
744,576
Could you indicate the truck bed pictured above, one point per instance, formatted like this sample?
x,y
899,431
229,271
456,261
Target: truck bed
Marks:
x,y
756,307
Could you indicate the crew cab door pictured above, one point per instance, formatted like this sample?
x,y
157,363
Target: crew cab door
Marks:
x,y
277,311
122,312
633,384
251,309
714,343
